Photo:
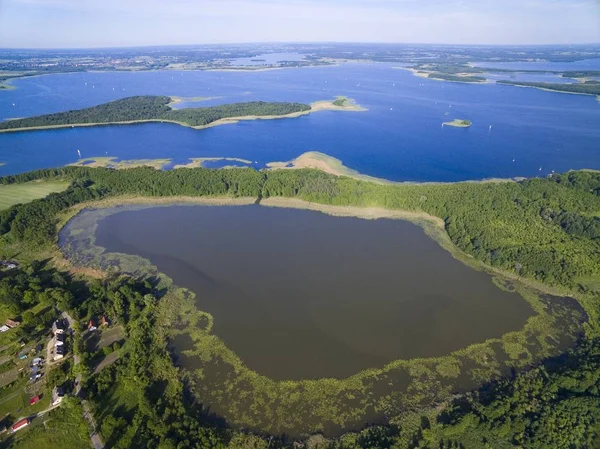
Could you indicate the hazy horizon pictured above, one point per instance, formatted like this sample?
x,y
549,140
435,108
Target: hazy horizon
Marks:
x,y
87,24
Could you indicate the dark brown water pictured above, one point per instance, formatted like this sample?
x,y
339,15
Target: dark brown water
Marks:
x,y
299,294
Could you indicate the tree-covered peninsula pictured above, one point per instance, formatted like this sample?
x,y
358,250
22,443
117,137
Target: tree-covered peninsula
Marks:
x,y
543,233
571,88
154,108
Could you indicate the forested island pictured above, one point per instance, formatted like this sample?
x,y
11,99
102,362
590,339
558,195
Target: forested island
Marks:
x,y
154,108
543,233
585,88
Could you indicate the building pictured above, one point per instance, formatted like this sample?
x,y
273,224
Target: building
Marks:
x,y
34,400
59,352
20,424
60,339
12,323
92,325
58,327
104,321
7,265
4,328
57,395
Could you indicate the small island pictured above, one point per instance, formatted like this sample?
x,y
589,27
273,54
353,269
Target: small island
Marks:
x,y
149,108
458,123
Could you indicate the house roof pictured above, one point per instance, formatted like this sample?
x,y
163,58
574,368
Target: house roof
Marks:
x,y
12,323
20,424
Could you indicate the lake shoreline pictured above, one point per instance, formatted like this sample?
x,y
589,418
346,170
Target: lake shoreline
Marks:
x,y
321,390
433,226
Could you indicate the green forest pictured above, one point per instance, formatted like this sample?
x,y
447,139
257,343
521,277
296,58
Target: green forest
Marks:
x,y
144,108
462,79
576,88
543,230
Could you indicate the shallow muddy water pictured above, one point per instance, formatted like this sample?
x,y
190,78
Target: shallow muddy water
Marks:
x,y
300,295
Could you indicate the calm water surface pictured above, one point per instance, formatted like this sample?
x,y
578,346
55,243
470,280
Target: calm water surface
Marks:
x,y
299,294
399,138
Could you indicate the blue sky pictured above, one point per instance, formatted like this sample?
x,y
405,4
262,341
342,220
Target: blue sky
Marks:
x,y
99,23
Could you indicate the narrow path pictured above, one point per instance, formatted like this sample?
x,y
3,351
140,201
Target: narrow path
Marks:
x,y
95,439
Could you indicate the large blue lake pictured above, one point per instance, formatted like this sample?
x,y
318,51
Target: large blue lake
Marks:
x,y
400,137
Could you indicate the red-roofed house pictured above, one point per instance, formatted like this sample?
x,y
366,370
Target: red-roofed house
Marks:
x,y
34,400
20,424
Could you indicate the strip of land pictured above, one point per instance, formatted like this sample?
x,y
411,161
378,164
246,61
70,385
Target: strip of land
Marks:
x,y
459,77
567,88
112,162
199,162
144,109
328,164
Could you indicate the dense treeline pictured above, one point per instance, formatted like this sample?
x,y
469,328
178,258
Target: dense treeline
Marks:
x,y
545,229
451,77
31,286
555,405
148,107
577,88
581,73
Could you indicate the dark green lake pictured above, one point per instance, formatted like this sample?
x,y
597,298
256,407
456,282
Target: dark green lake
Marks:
x,y
299,294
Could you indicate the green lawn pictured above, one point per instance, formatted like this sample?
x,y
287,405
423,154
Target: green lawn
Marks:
x,y
23,193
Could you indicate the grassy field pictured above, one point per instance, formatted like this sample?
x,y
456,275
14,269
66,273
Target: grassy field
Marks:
x,y
24,193
63,427
110,336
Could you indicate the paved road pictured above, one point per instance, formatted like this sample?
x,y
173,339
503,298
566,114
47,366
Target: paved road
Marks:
x,y
66,316
95,439
43,412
